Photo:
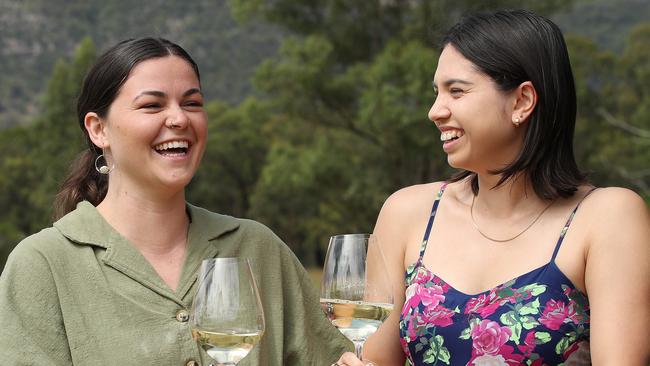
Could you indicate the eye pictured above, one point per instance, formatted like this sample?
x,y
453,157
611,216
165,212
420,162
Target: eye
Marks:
x,y
195,104
456,92
150,105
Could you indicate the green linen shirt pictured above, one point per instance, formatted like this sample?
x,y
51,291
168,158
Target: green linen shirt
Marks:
x,y
79,293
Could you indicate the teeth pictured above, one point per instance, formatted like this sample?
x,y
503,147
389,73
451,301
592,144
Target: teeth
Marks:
x,y
448,135
172,145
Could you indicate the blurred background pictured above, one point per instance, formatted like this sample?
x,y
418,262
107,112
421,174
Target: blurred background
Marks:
x,y
317,108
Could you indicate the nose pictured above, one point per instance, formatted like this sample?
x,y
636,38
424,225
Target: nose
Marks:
x,y
438,111
177,118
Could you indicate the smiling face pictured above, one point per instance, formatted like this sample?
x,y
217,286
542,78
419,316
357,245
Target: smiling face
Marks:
x,y
473,116
155,129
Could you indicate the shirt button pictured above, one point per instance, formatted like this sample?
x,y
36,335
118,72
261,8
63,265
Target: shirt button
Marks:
x,y
192,363
183,316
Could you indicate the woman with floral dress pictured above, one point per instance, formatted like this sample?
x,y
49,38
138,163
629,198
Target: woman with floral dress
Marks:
x,y
517,259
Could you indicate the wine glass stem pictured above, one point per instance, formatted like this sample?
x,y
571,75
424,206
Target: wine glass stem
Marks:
x,y
358,348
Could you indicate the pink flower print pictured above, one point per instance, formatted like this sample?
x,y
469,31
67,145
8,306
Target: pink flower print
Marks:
x,y
555,313
489,360
438,316
412,299
529,344
423,276
520,296
505,356
571,312
488,337
438,281
485,305
405,347
411,328
417,294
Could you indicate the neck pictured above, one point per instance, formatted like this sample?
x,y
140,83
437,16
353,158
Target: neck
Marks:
x,y
154,226
515,195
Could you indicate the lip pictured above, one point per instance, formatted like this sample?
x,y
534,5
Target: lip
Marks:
x,y
447,146
449,128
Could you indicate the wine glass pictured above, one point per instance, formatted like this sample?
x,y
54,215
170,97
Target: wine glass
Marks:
x,y
227,315
355,291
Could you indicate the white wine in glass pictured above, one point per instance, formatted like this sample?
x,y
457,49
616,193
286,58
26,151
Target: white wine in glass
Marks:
x,y
355,291
227,315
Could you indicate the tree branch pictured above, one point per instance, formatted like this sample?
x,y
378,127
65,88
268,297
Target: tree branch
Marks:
x,y
609,118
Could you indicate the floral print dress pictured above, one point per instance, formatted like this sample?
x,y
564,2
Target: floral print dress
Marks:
x,y
538,318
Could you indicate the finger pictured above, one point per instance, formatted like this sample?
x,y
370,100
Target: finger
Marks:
x,y
349,359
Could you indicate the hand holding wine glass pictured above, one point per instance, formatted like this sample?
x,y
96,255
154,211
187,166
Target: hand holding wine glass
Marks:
x,y
356,293
227,314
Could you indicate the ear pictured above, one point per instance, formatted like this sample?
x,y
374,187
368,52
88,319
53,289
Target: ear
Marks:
x,y
96,130
524,103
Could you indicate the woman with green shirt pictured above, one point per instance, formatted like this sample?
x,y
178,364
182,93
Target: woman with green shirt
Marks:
x,y
111,282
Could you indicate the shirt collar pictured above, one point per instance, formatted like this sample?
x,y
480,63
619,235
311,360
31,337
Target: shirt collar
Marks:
x,y
85,225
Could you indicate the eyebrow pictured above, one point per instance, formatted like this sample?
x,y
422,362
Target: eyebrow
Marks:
x,y
158,93
449,82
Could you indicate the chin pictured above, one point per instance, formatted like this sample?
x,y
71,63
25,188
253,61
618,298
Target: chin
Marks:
x,y
177,182
456,163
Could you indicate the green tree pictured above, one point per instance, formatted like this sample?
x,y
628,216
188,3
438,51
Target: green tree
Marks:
x,y
235,153
36,157
613,127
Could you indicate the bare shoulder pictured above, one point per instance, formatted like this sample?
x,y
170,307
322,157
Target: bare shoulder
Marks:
x,y
615,206
615,212
408,200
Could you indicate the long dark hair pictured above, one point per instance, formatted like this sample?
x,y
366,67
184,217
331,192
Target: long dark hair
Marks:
x,y
511,47
99,90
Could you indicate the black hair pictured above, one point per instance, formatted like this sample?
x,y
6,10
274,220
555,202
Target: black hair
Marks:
x,y
511,47
100,88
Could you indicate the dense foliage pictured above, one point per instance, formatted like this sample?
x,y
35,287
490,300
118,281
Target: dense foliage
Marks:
x,y
336,120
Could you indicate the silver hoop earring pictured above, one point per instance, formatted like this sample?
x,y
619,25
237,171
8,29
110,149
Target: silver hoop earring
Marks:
x,y
104,169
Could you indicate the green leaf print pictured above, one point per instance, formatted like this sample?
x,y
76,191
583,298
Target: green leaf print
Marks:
x,y
516,333
534,289
505,292
509,318
542,337
444,355
442,352
429,356
418,347
577,297
564,343
528,322
530,308
436,352
466,333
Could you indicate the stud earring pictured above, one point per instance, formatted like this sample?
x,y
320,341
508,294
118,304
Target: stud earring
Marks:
x,y
104,169
517,122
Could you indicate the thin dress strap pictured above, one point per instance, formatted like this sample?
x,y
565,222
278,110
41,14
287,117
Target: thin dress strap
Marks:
x,y
566,226
431,218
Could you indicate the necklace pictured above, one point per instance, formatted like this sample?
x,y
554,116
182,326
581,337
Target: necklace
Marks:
x,y
471,214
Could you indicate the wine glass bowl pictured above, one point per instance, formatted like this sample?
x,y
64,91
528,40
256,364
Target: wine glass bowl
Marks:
x,y
227,316
355,292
